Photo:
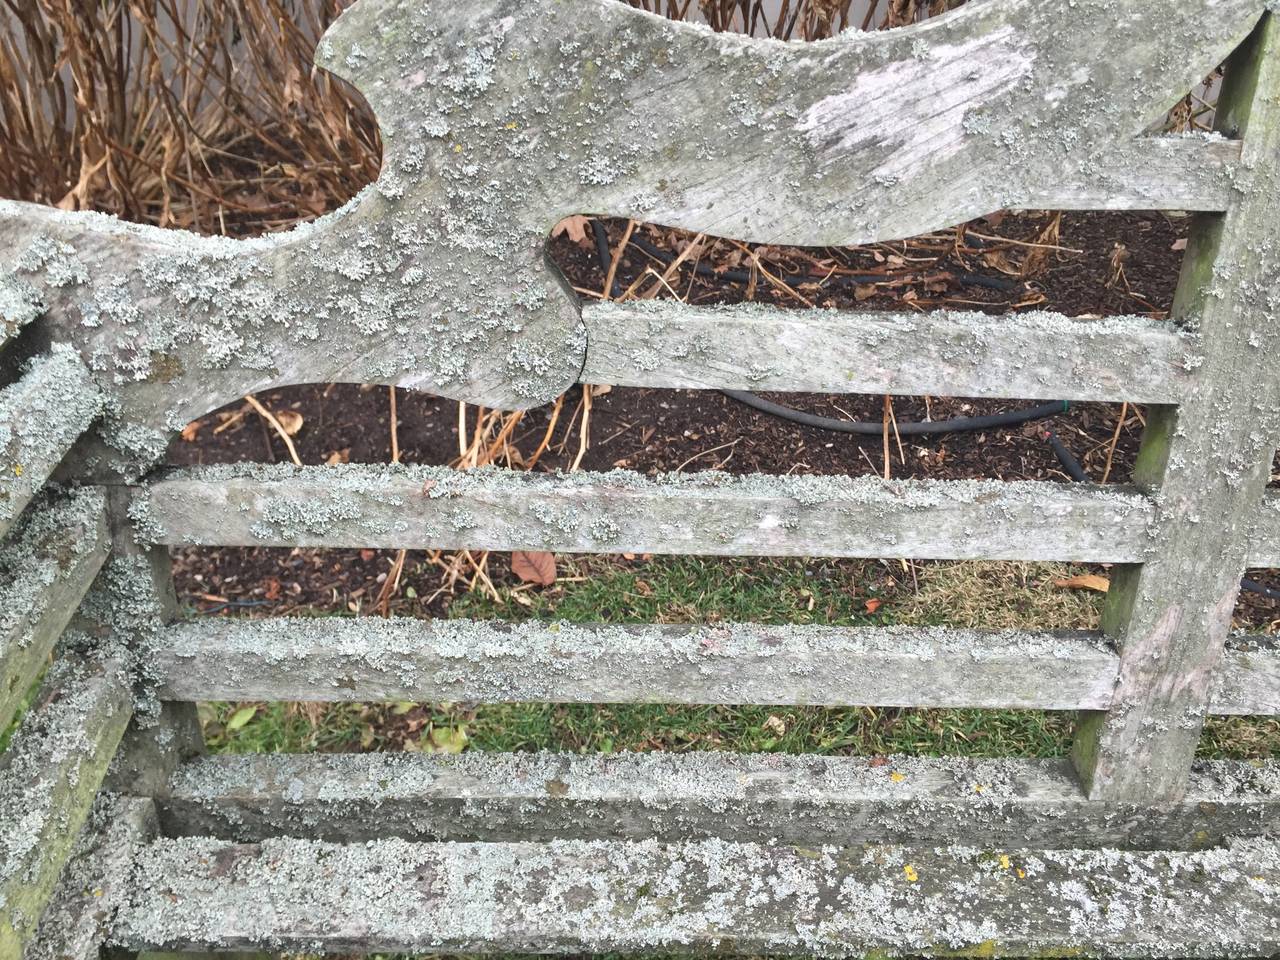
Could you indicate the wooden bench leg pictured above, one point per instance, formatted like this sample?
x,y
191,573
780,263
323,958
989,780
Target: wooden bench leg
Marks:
x,y
154,745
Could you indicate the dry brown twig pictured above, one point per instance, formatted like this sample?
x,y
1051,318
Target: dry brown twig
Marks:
x,y
275,425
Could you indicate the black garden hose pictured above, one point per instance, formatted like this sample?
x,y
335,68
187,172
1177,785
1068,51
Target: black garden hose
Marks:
x,y
1069,463
956,425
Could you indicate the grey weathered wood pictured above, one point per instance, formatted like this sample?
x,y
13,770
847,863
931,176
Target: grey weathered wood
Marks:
x,y
499,119
666,343
326,659
615,512
162,735
600,896
95,880
1264,550
45,569
806,800
1247,682
41,416
48,779
340,659
1206,461
19,305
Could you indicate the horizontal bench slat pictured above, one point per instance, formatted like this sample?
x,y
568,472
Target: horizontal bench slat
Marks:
x,y
45,570
1247,681
333,659
619,511
48,779
95,880
601,896
741,797
666,343
1191,173
41,416
328,659
1265,551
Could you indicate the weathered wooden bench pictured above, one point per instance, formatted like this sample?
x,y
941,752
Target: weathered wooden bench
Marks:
x,y
499,118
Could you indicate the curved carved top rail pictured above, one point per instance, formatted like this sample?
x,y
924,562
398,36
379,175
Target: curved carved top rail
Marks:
x,y
502,116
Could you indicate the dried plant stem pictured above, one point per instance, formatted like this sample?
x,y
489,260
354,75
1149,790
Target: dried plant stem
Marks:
x,y
275,424
395,425
1115,439
584,432
617,258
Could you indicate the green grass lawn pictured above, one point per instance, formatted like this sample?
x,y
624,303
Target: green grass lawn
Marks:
x,y
685,589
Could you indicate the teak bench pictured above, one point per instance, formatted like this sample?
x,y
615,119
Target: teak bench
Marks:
x,y
500,117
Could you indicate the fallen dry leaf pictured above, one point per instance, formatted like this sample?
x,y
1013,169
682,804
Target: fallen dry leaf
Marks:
x,y
873,605
1085,581
575,227
534,566
291,421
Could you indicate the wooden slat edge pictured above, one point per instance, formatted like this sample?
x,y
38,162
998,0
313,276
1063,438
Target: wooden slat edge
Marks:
x,y
710,514
41,416
1265,551
702,896
51,562
95,880
19,305
375,659
805,800
1192,173
1038,355
1247,681
48,779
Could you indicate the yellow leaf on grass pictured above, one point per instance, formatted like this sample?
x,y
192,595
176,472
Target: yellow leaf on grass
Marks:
x,y
1085,581
241,717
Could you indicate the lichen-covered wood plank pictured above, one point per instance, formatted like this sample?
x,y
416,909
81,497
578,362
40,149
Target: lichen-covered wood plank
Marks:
x,y
161,735
1264,549
46,568
741,797
19,305
48,779
1206,463
708,895
1247,682
77,921
666,343
500,118
619,511
41,416
326,659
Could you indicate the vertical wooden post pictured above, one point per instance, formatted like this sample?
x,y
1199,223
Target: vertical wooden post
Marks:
x,y
153,746
1206,462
